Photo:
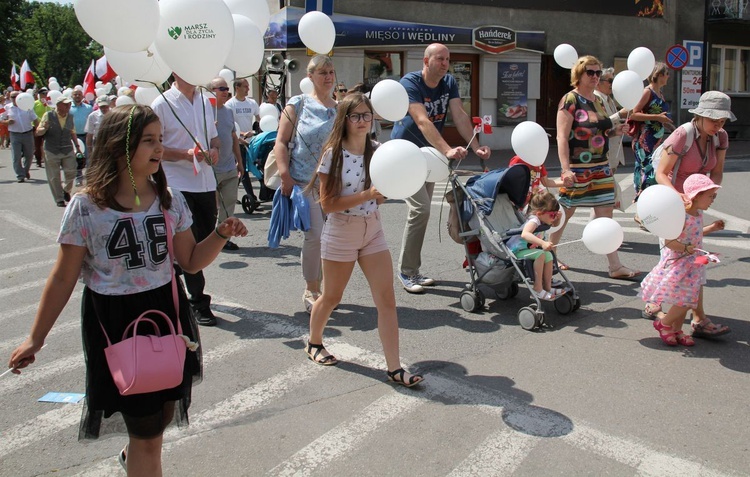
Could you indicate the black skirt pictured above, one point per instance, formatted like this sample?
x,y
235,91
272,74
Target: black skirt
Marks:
x,y
144,416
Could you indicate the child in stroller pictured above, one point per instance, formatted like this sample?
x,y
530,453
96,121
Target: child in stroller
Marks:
x,y
531,245
255,160
488,210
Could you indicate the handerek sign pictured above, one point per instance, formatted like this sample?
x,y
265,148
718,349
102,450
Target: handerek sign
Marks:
x,y
494,39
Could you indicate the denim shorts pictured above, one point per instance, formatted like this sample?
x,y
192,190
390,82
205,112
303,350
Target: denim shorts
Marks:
x,y
346,238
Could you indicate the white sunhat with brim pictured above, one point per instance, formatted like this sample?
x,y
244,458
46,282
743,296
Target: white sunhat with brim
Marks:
x,y
714,105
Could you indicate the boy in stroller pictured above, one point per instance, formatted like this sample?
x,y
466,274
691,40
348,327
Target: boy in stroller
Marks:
x,y
254,161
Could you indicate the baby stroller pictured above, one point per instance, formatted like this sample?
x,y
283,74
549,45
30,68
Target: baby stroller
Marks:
x,y
255,160
488,211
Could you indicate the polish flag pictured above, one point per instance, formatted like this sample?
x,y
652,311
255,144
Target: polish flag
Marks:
x,y
487,124
104,72
26,76
14,78
89,82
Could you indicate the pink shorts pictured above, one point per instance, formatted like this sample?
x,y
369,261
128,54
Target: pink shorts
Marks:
x,y
346,238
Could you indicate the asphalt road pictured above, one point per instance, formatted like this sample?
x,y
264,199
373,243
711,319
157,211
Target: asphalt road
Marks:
x,y
595,394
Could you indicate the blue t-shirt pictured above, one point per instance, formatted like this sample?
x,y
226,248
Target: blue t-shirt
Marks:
x,y
80,114
435,101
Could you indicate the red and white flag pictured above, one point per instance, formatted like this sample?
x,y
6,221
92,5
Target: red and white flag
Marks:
x,y
26,76
89,82
104,72
14,78
487,124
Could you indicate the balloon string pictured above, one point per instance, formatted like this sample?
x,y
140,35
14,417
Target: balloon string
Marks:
x,y
566,243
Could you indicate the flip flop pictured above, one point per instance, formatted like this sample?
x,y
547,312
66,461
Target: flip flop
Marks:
x,y
624,273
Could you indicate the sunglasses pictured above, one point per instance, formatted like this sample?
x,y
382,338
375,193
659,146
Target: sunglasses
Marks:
x,y
221,88
552,213
342,91
592,73
355,118
607,80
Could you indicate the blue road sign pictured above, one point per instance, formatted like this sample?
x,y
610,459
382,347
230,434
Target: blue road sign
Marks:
x,y
677,57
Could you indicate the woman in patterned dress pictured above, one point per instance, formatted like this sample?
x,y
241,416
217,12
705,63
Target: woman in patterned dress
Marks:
x,y
583,129
652,118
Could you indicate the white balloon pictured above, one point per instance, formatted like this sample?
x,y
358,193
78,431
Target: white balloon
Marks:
x,y
437,164
89,96
268,109
306,85
25,101
54,85
98,84
246,53
123,90
662,211
228,76
317,32
124,100
67,93
390,100
642,61
269,123
398,169
53,95
194,37
123,26
565,55
603,235
255,10
530,142
555,228
145,95
627,88
237,130
51,79
101,92
81,146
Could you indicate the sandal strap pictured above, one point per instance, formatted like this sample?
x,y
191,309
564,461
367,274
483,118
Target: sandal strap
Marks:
x,y
319,348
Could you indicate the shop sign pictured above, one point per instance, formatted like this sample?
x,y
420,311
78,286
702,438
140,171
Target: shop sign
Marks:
x,y
494,39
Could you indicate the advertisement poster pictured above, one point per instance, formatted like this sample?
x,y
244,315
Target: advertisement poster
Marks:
x,y
512,93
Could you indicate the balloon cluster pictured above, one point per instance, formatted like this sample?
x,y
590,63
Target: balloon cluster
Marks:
x,y
193,38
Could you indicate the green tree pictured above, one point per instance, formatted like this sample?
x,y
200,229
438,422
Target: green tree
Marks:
x,y
49,36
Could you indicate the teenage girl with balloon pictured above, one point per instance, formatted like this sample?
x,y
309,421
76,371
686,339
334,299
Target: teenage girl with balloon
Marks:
x,y
678,278
353,233
543,209
113,235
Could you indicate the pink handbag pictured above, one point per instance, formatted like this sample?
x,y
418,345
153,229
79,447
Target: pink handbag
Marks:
x,y
147,363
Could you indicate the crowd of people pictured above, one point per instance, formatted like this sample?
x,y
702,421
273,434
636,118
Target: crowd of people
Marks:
x,y
176,166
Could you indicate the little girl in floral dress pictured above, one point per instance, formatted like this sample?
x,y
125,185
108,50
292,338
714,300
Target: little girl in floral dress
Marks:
x,y
678,277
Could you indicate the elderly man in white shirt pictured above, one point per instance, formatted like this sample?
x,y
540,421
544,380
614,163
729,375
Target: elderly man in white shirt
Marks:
x,y
21,126
93,121
187,166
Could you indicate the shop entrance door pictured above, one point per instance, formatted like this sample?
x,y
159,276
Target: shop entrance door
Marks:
x,y
465,68
555,83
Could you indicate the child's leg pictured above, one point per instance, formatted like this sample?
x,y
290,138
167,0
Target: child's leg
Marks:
x,y
547,272
337,276
144,457
378,268
540,282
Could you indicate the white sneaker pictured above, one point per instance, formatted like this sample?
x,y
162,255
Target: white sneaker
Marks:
x,y
423,280
410,283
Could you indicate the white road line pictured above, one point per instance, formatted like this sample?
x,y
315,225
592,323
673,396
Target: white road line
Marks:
x,y
20,288
58,329
500,454
21,221
31,309
42,426
27,266
39,373
346,437
25,251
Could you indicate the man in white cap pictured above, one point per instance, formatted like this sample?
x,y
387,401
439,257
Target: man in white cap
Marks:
x,y
60,140
93,121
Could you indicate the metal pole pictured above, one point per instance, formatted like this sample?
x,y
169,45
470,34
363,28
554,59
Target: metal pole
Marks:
x,y
706,52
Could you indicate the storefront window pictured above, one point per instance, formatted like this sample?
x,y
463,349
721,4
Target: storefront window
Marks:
x,y
461,70
729,69
382,65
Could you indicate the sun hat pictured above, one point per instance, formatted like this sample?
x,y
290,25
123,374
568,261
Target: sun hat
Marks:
x,y
714,105
697,183
63,99
103,100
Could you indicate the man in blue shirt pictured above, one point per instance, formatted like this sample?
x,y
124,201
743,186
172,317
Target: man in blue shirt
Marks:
x,y
432,93
80,112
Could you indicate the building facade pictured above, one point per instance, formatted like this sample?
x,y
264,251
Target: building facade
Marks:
x,y
501,50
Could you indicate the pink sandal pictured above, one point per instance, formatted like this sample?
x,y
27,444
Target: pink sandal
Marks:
x,y
683,339
666,333
707,329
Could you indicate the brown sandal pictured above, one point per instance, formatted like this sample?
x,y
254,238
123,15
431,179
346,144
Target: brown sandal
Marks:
x,y
707,329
